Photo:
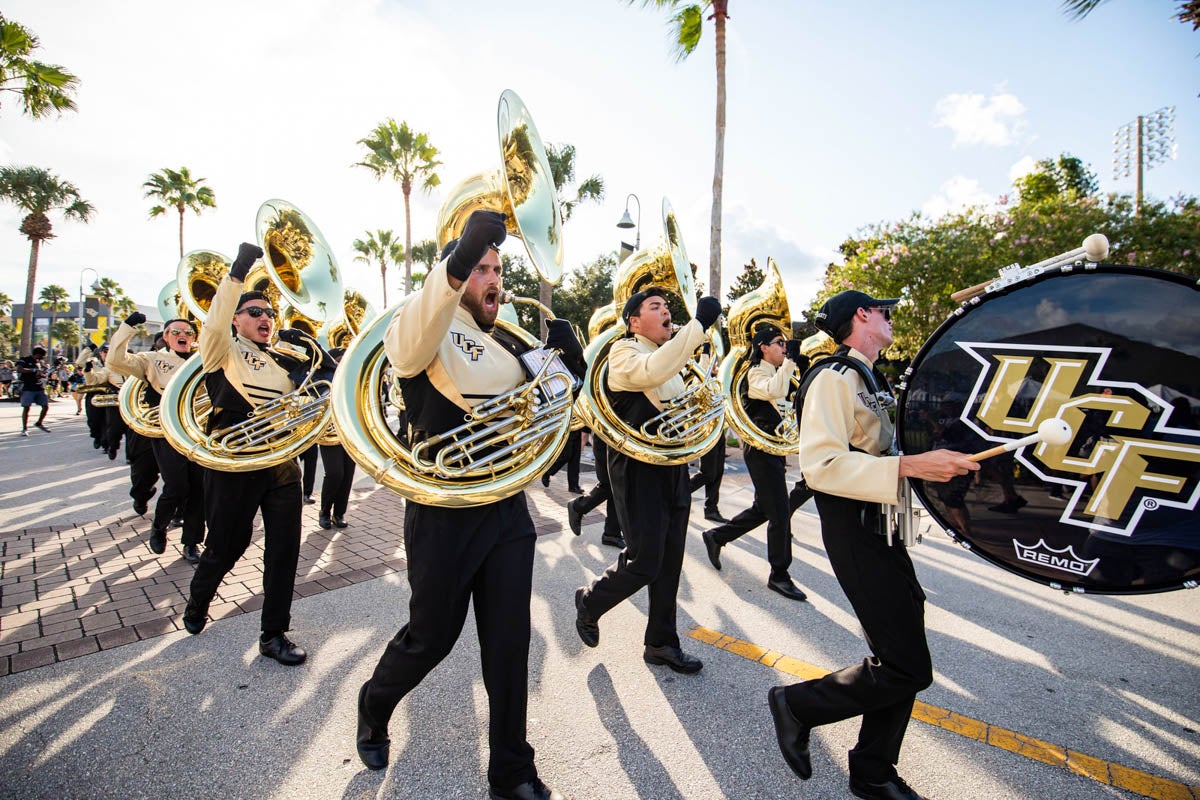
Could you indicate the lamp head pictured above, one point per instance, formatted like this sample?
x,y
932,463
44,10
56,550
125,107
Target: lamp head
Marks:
x,y
626,220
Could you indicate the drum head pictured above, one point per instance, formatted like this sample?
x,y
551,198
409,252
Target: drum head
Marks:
x,y
1115,353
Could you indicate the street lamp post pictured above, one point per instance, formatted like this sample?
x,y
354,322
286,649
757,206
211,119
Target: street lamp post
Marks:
x,y
1141,145
82,335
627,221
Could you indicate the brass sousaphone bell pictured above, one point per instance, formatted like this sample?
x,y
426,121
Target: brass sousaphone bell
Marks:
x,y
511,439
691,424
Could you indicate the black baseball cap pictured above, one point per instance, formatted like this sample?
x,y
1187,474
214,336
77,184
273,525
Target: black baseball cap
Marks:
x,y
634,303
839,309
766,334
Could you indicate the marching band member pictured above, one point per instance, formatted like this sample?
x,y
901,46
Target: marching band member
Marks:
x,y
240,374
769,380
339,477
600,493
183,479
109,424
845,455
449,356
652,501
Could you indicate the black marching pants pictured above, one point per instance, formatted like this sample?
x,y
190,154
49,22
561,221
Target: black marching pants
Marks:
x,y
183,492
457,557
768,473
339,477
600,493
114,428
570,458
882,587
652,503
143,468
96,420
308,459
232,498
712,470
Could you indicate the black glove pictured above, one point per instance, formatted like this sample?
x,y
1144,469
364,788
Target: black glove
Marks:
x,y
706,348
484,229
793,350
87,367
301,339
247,255
559,335
707,311
135,319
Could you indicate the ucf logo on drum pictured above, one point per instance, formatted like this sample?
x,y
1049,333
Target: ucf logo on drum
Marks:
x,y
1139,461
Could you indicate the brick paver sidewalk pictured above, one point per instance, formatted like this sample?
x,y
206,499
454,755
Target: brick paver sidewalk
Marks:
x,y
67,591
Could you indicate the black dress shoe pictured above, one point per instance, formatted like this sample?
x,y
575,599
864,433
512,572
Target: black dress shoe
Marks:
x,y
195,617
140,507
674,658
283,650
308,500
714,516
338,522
177,522
95,444
372,741
615,540
895,789
530,790
324,521
574,490
791,733
191,554
585,625
112,455
713,547
785,587
546,479
158,540
574,519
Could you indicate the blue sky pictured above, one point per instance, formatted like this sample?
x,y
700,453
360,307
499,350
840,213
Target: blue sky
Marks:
x,y
839,115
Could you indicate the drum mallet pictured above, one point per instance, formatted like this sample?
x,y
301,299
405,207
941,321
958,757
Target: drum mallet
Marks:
x,y
1095,248
1052,431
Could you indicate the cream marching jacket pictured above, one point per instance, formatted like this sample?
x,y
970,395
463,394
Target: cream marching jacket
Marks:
x,y
154,367
640,372
435,346
100,373
240,374
844,431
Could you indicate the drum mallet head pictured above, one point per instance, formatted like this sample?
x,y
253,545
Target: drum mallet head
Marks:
x,y
1095,247
1052,431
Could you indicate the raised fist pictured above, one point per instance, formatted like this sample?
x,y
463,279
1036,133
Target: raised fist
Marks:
x,y
247,255
484,229
135,319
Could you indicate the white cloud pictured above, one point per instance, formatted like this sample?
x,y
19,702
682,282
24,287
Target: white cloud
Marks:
x,y
976,119
802,265
1023,167
956,194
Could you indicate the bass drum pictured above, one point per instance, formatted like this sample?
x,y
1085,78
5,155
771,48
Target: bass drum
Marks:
x,y
1115,352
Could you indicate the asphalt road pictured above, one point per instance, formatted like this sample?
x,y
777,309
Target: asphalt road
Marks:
x,y
1113,680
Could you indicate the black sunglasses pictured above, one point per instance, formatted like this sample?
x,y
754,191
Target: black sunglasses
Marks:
x,y
258,311
885,310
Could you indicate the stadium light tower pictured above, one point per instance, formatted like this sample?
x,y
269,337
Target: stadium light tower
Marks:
x,y
1143,144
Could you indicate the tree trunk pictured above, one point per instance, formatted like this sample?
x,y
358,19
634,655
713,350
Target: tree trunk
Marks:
x,y
27,313
383,279
545,297
181,233
407,245
714,249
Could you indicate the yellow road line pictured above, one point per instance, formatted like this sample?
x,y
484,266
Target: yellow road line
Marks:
x,y
1099,770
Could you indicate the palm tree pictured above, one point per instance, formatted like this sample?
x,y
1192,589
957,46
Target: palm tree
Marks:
x,y
65,330
424,252
6,304
43,88
591,190
686,25
54,298
396,152
378,246
180,191
37,192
